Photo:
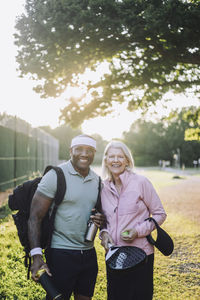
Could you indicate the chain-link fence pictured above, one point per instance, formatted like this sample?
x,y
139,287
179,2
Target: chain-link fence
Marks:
x,y
23,151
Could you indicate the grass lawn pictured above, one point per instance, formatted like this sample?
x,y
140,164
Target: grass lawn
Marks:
x,y
175,277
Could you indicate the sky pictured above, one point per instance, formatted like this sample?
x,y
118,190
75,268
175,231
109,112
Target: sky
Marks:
x,y
18,98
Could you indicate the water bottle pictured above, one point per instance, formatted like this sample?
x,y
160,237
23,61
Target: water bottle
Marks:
x,y
91,229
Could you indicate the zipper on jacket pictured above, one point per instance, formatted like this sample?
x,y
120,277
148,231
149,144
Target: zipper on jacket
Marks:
x,y
116,224
116,212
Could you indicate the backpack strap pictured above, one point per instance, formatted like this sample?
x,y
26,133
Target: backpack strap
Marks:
x,y
61,183
61,186
98,203
60,192
98,206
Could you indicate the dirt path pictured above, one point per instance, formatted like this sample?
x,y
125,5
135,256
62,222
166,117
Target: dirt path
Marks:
x,y
183,198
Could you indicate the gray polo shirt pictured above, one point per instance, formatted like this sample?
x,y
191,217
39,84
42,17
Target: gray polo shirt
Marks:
x,y
74,211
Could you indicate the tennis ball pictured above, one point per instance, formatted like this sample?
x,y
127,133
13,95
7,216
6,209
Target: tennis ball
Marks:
x,y
125,233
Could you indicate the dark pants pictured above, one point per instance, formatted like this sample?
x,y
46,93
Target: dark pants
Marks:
x,y
74,271
136,284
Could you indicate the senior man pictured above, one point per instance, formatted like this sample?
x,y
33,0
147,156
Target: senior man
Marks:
x,y
71,260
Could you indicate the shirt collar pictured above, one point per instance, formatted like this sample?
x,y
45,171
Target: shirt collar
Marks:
x,y
74,172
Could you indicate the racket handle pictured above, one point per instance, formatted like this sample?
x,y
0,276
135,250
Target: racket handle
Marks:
x,y
110,245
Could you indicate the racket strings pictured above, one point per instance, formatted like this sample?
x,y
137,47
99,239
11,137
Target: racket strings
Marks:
x,y
126,257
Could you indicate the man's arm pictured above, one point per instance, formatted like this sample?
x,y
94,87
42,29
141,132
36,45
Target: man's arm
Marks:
x,y
39,207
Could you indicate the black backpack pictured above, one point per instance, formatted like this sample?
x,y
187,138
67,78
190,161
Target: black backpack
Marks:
x,y
20,200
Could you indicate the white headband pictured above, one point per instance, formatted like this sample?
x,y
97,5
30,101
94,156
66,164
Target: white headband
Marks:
x,y
83,140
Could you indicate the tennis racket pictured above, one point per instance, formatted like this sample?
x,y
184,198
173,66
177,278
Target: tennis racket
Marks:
x,y
124,257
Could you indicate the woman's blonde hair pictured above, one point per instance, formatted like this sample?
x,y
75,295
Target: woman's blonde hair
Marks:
x,y
116,144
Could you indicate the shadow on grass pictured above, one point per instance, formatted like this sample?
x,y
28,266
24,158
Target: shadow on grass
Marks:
x,y
178,177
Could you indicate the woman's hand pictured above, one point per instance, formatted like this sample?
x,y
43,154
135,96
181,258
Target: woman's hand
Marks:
x,y
128,235
106,240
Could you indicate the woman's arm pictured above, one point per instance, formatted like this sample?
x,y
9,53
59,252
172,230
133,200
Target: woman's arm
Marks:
x,y
155,209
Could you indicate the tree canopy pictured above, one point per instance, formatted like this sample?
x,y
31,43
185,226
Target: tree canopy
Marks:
x,y
151,142
148,141
192,116
151,46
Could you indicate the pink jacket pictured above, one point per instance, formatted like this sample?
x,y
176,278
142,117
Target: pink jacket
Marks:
x,y
137,201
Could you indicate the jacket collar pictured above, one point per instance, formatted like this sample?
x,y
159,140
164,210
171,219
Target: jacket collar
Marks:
x,y
125,178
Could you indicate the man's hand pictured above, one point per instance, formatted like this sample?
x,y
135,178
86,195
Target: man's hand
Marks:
x,y
106,239
128,235
38,263
98,219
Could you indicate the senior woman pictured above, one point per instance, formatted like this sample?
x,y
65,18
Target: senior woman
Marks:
x,y
127,200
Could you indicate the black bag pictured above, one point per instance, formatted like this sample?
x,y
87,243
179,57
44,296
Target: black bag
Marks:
x,y
21,199
164,242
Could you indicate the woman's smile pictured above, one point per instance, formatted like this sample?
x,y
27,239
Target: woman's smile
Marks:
x,y
116,161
